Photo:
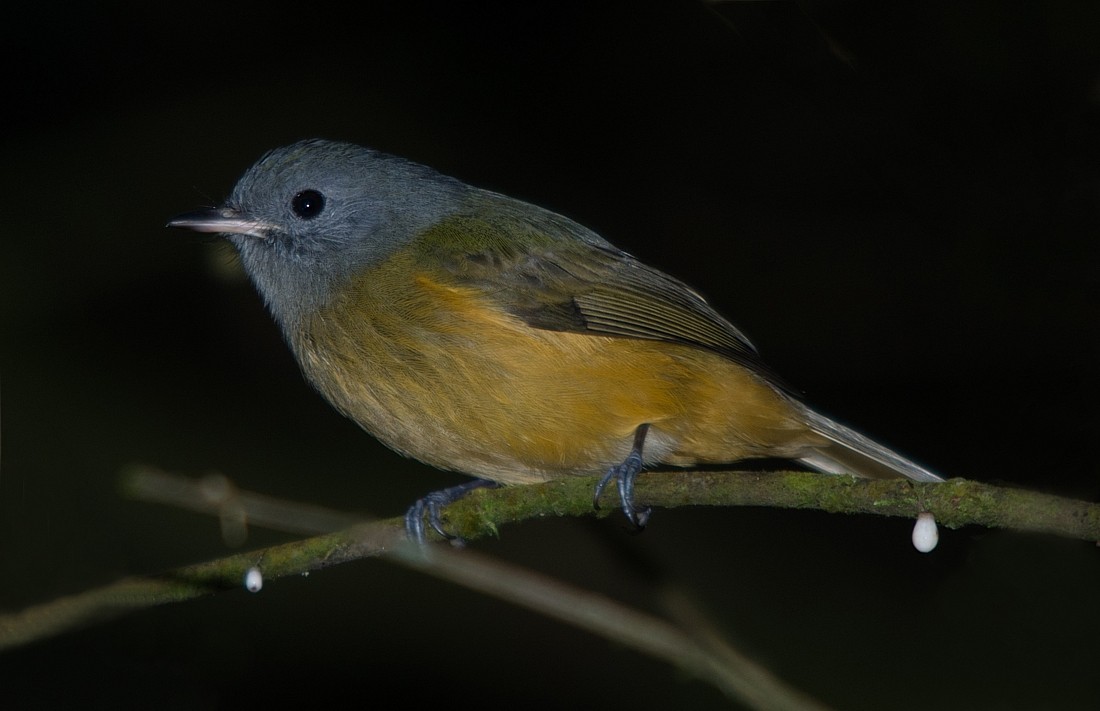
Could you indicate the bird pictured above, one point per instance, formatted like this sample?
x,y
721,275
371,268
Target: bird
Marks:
x,y
483,334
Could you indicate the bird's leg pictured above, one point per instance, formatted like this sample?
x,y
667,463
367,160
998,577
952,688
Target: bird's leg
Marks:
x,y
625,474
433,504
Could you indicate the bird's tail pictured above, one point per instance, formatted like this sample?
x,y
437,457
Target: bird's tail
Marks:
x,y
849,452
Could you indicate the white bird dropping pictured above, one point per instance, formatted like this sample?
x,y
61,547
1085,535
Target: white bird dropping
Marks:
x,y
925,533
253,580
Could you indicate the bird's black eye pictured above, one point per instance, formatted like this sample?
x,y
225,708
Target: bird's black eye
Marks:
x,y
308,204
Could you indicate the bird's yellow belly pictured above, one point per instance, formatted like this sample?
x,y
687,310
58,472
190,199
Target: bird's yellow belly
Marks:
x,y
441,375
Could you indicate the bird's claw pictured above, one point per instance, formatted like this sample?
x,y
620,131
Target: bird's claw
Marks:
x,y
433,505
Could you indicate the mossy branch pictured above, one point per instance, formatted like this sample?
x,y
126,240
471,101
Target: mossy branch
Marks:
x,y
955,503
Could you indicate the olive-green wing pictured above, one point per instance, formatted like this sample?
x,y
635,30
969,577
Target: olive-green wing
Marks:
x,y
555,274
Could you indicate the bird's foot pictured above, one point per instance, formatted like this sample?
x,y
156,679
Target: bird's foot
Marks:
x,y
624,475
433,504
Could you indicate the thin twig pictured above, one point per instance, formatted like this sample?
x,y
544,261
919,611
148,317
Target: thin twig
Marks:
x,y
696,648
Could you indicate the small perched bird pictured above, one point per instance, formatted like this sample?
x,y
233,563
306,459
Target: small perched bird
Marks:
x,y
482,334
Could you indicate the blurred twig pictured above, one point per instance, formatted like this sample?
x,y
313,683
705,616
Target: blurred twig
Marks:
x,y
697,648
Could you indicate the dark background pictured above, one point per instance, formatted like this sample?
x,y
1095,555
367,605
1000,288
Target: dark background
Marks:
x,y
898,202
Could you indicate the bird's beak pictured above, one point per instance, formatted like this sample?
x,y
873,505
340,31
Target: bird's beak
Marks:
x,y
221,219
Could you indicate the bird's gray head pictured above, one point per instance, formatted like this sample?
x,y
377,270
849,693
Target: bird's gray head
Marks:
x,y
307,216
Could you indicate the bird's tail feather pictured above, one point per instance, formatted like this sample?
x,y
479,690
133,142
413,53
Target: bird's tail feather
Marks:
x,y
849,452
